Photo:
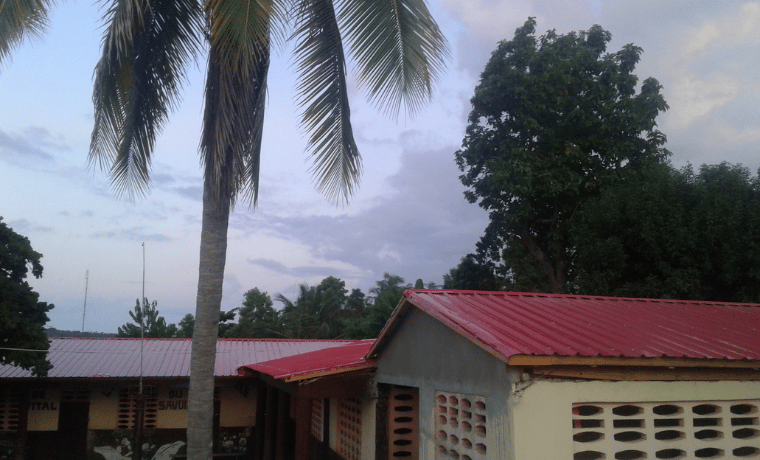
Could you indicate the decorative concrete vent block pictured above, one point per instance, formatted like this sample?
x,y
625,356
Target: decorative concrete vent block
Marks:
x,y
460,426
10,405
128,407
667,430
350,429
317,419
403,423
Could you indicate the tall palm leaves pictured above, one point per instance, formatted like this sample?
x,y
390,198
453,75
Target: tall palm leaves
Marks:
x,y
19,19
137,81
399,52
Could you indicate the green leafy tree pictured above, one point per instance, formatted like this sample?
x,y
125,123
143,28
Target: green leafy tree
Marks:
x,y
383,299
22,315
355,303
473,273
147,317
225,321
673,234
317,311
555,120
185,326
258,318
147,46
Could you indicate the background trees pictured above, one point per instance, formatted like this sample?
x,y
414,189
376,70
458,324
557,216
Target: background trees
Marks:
x,y
673,234
146,316
323,311
22,316
555,121
258,318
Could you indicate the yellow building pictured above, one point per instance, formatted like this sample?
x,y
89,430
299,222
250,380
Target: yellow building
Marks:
x,y
89,404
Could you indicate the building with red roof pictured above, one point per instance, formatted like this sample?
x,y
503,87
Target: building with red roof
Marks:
x,y
88,406
541,376
454,374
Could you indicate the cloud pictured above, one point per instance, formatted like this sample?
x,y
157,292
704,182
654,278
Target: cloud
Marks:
x,y
21,150
193,192
23,226
132,234
692,98
419,228
298,272
741,26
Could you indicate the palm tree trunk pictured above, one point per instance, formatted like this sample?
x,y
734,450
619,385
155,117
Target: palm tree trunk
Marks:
x,y
200,411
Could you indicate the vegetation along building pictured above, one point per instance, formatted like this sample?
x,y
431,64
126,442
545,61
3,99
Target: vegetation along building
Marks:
x,y
454,374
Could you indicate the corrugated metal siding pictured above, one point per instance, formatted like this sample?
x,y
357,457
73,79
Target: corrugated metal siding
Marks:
x,y
114,357
545,324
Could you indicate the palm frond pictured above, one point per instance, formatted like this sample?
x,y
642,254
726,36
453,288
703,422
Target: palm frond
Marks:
x,y
322,92
244,30
19,19
233,121
146,47
399,49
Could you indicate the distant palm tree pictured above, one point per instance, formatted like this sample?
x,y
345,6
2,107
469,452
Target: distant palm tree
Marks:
x,y
396,44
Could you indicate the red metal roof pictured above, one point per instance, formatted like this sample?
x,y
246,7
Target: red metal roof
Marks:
x,y
347,357
508,324
120,358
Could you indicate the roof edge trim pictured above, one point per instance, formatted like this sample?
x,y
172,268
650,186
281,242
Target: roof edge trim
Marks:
x,y
369,365
531,360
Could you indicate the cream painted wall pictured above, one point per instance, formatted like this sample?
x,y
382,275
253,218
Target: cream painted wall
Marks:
x,y
44,407
542,415
368,428
104,409
238,406
172,407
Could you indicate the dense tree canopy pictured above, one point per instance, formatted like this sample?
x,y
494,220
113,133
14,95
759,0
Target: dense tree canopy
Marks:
x,y
22,315
673,234
555,120
324,311
258,318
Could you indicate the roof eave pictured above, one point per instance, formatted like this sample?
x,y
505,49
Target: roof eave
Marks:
x,y
661,361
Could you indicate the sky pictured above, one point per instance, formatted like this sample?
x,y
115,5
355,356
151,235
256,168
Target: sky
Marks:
x,y
409,218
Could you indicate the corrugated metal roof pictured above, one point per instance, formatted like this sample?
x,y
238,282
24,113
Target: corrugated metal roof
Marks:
x,y
508,324
344,358
120,358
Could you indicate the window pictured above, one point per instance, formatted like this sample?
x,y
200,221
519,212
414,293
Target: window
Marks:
x,y
460,426
667,430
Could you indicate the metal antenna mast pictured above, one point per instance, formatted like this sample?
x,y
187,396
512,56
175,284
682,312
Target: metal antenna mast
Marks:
x,y
140,397
86,282
142,320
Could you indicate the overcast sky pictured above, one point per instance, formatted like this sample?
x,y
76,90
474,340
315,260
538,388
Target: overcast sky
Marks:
x,y
409,218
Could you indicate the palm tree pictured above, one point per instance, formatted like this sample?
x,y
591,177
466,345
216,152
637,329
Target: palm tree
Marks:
x,y
396,45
